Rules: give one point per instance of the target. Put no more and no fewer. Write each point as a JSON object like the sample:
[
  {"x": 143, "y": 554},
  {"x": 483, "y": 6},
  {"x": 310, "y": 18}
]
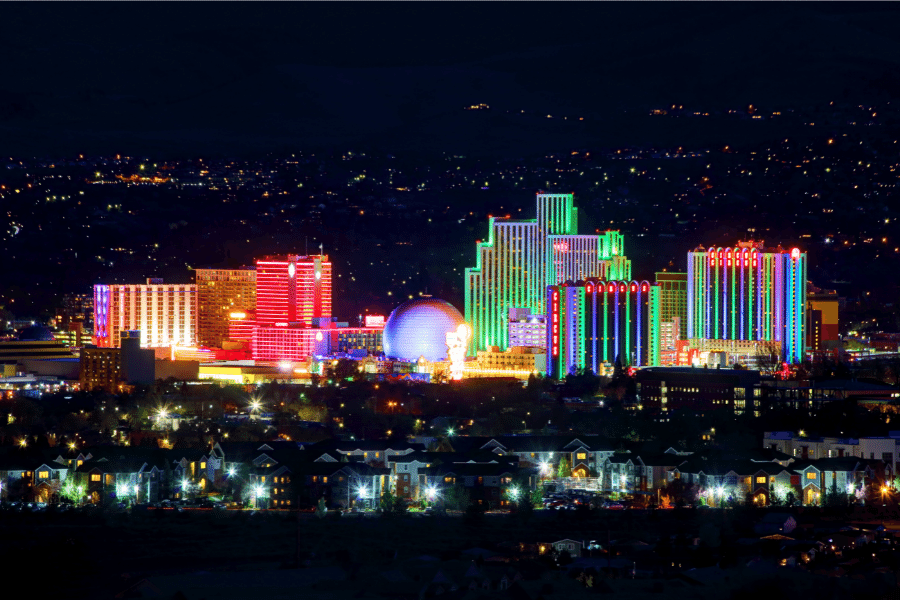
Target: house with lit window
[
  {"x": 585, "y": 455},
  {"x": 651, "y": 471},
  {"x": 49, "y": 477},
  {"x": 17, "y": 475},
  {"x": 373, "y": 452},
  {"x": 486, "y": 483},
  {"x": 192, "y": 471},
  {"x": 120, "y": 478},
  {"x": 232, "y": 458},
  {"x": 739, "y": 480},
  {"x": 295, "y": 481},
  {"x": 618, "y": 474},
  {"x": 405, "y": 471}
]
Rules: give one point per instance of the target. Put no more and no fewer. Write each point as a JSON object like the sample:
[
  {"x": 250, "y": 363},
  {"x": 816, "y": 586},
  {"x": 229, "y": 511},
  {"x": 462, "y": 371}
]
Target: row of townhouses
[{"x": 282, "y": 474}]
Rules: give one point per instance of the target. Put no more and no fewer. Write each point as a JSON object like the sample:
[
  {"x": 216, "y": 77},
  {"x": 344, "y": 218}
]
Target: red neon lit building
[
  {"x": 240, "y": 326},
  {"x": 293, "y": 344},
  {"x": 293, "y": 289}
]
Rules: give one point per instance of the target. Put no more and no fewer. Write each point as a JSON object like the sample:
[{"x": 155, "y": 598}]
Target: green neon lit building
[
  {"x": 595, "y": 322},
  {"x": 522, "y": 257}
]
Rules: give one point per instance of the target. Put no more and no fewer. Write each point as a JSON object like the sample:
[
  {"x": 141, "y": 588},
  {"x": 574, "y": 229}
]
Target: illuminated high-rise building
[
  {"x": 673, "y": 299},
  {"x": 522, "y": 257},
  {"x": 749, "y": 293},
  {"x": 165, "y": 314},
  {"x": 221, "y": 292},
  {"x": 595, "y": 322},
  {"x": 823, "y": 323},
  {"x": 292, "y": 289}
]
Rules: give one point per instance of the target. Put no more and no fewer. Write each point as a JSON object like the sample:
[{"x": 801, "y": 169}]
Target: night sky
[
  {"x": 246, "y": 82},
  {"x": 178, "y": 79}
]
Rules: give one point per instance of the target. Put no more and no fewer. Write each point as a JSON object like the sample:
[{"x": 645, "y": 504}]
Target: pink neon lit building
[{"x": 292, "y": 289}]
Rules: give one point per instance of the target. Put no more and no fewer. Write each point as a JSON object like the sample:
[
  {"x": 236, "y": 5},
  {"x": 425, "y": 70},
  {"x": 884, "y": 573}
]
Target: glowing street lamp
[
  {"x": 431, "y": 493},
  {"x": 23, "y": 442},
  {"x": 258, "y": 492},
  {"x": 231, "y": 471},
  {"x": 362, "y": 493},
  {"x": 449, "y": 431}
]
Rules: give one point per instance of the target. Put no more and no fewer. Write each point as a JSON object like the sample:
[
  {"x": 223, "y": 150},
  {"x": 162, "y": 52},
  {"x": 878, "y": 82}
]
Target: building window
[
  {"x": 325, "y": 479},
  {"x": 43, "y": 474},
  {"x": 761, "y": 479},
  {"x": 95, "y": 476},
  {"x": 582, "y": 456},
  {"x": 810, "y": 475},
  {"x": 203, "y": 465}
]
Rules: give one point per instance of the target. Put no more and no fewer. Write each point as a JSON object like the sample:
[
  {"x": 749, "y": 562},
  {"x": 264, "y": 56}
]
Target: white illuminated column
[{"x": 457, "y": 347}]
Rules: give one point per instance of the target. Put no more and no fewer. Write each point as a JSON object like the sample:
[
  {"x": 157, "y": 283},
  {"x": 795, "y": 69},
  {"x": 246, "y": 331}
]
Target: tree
[
  {"x": 564, "y": 469},
  {"x": 71, "y": 491},
  {"x": 835, "y": 497},
  {"x": 457, "y": 497}
]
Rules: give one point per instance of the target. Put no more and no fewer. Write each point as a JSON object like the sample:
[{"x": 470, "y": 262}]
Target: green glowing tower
[{"x": 522, "y": 257}]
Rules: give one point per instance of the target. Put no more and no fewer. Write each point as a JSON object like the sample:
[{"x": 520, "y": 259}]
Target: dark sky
[{"x": 181, "y": 78}]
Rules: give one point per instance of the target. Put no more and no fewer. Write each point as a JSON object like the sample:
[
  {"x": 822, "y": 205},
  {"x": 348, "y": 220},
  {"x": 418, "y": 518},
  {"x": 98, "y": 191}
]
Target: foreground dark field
[{"x": 95, "y": 555}]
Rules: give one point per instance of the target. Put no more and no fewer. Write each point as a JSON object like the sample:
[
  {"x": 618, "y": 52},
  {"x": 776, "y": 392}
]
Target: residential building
[{"x": 666, "y": 389}]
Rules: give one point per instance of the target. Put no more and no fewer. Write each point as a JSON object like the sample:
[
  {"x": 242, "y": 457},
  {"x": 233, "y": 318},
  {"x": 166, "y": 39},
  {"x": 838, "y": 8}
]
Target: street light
[
  {"x": 545, "y": 469},
  {"x": 363, "y": 493},
  {"x": 431, "y": 493},
  {"x": 514, "y": 494},
  {"x": 258, "y": 492}
]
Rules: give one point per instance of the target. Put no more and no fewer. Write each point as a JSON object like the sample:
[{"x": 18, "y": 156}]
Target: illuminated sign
[
  {"x": 238, "y": 315},
  {"x": 555, "y": 314},
  {"x": 374, "y": 320}
]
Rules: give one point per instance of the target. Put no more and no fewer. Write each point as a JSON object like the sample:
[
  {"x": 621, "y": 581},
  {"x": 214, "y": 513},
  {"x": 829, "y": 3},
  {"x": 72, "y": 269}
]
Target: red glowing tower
[{"x": 293, "y": 289}]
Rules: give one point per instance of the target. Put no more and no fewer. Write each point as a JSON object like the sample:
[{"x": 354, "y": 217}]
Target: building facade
[
  {"x": 221, "y": 292},
  {"x": 293, "y": 289},
  {"x": 673, "y": 299},
  {"x": 596, "y": 322},
  {"x": 749, "y": 293},
  {"x": 293, "y": 344},
  {"x": 165, "y": 314},
  {"x": 522, "y": 257},
  {"x": 823, "y": 322},
  {"x": 526, "y": 329}
]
